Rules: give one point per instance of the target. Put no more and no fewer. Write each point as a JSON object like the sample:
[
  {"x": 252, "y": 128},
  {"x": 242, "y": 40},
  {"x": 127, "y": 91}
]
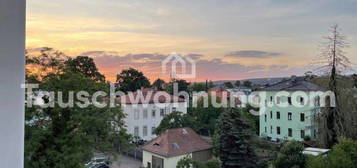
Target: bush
[
  {"x": 290, "y": 156},
  {"x": 316, "y": 162},
  {"x": 343, "y": 155}
]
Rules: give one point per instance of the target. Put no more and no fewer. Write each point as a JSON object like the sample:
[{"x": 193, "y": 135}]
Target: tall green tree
[
  {"x": 175, "y": 120},
  {"x": 86, "y": 66},
  {"x": 234, "y": 136},
  {"x": 181, "y": 83},
  {"x": 206, "y": 116},
  {"x": 158, "y": 84},
  {"x": 131, "y": 80},
  {"x": 66, "y": 136}
]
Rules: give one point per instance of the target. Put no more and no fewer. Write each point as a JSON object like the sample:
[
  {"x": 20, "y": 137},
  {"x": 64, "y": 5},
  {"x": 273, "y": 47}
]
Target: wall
[
  {"x": 12, "y": 45},
  {"x": 150, "y": 121},
  {"x": 284, "y": 123},
  {"x": 168, "y": 162}
]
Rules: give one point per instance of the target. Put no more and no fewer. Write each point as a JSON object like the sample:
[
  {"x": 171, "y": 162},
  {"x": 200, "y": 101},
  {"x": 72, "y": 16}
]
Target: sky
[{"x": 228, "y": 39}]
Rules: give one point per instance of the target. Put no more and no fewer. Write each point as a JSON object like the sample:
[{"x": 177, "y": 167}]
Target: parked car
[{"x": 98, "y": 162}]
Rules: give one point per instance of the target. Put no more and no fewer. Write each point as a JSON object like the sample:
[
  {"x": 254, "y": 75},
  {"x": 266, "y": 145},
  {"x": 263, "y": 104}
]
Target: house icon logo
[{"x": 186, "y": 64}]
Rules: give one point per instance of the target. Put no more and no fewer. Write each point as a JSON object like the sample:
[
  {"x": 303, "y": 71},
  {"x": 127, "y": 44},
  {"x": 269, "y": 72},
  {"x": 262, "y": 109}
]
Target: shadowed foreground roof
[{"x": 177, "y": 141}]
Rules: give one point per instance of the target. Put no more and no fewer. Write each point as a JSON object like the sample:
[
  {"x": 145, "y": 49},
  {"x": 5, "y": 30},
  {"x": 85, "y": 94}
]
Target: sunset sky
[{"x": 228, "y": 39}]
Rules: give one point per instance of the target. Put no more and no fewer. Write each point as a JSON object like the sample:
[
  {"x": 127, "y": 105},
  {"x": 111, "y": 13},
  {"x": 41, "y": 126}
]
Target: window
[
  {"x": 265, "y": 117},
  {"x": 152, "y": 130},
  {"x": 265, "y": 129},
  {"x": 278, "y": 100},
  {"x": 145, "y": 131},
  {"x": 173, "y": 109},
  {"x": 271, "y": 114},
  {"x": 136, "y": 131},
  {"x": 145, "y": 113},
  {"x": 278, "y": 130},
  {"x": 277, "y": 115},
  {"x": 289, "y": 100},
  {"x": 317, "y": 101},
  {"x": 302, "y": 133},
  {"x": 302, "y": 117},
  {"x": 301, "y": 100},
  {"x": 271, "y": 99},
  {"x": 153, "y": 113},
  {"x": 290, "y": 132},
  {"x": 271, "y": 129},
  {"x": 162, "y": 112},
  {"x": 289, "y": 116},
  {"x": 136, "y": 114}
]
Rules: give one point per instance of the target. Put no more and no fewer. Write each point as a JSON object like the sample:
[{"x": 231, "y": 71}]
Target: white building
[{"x": 146, "y": 108}]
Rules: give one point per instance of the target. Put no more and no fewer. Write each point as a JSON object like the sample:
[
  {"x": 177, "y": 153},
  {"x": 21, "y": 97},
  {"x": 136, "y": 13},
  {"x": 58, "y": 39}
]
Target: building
[
  {"x": 290, "y": 122},
  {"x": 174, "y": 144},
  {"x": 226, "y": 95},
  {"x": 146, "y": 108}
]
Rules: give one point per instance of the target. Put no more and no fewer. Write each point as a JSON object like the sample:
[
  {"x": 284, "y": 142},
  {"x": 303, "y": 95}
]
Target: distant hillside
[{"x": 255, "y": 81}]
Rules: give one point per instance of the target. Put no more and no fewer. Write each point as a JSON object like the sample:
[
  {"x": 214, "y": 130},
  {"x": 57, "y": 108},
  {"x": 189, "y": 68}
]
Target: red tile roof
[
  {"x": 148, "y": 95},
  {"x": 177, "y": 141}
]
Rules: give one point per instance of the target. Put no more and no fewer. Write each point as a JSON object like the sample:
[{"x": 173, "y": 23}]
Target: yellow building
[{"x": 167, "y": 149}]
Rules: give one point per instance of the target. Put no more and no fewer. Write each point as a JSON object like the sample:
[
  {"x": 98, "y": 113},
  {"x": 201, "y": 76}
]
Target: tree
[
  {"x": 234, "y": 136},
  {"x": 342, "y": 155},
  {"x": 182, "y": 85},
  {"x": 131, "y": 80},
  {"x": 159, "y": 84},
  {"x": 175, "y": 120},
  {"x": 197, "y": 87},
  {"x": 46, "y": 62},
  {"x": 290, "y": 155},
  {"x": 206, "y": 116},
  {"x": 188, "y": 162},
  {"x": 57, "y": 137},
  {"x": 228, "y": 84},
  {"x": 333, "y": 61},
  {"x": 354, "y": 76},
  {"x": 237, "y": 83},
  {"x": 247, "y": 83},
  {"x": 67, "y": 137},
  {"x": 86, "y": 66}
]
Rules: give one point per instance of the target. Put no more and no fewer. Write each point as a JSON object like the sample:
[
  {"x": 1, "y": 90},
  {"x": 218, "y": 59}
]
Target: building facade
[
  {"x": 290, "y": 117},
  {"x": 166, "y": 150},
  {"x": 143, "y": 116}
]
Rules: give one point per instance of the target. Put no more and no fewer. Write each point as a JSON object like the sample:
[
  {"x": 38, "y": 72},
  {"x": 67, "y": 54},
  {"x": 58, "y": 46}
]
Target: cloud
[
  {"x": 213, "y": 69},
  {"x": 252, "y": 54}
]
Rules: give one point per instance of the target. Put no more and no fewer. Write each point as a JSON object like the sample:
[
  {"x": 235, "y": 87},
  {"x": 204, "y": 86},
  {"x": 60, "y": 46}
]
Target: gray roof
[{"x": 294, "y": 84}]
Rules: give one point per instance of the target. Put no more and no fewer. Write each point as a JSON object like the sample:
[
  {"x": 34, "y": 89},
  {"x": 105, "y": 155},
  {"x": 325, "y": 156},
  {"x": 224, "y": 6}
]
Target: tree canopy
[
  {"x": 175, "y": 120},
  {"x": 290, "y": 155},
  {"x": 60, "y": 137},
  {"x": 158, "y": 84},
  {"x": 228, "y": 84},
  {"x": 233, "y": 141},
  {"x": 131, "y": 80},
  {"x": 86, "y": 66}
]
